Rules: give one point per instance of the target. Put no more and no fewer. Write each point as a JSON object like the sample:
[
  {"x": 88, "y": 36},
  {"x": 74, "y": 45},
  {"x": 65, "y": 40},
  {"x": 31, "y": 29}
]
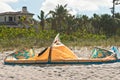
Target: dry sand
[{"x": 59, "y": 72}]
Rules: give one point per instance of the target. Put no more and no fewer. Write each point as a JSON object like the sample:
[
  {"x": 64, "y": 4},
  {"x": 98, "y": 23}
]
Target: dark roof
[{"x": 16, "y": 13}]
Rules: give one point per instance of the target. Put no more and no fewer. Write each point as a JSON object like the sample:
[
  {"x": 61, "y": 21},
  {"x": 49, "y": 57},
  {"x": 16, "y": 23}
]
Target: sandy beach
[{"x": 109, "y": 71}]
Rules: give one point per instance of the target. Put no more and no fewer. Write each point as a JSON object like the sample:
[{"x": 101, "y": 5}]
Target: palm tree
[
  {"x": 59, "y": 17},
  {"x": 42, "y": 19},
  {"x": 108, "y": 24},
  {"x": 95, "y": 21},
  {"x": 71, "y": 24},
  {"x": 52, "y": 20}
]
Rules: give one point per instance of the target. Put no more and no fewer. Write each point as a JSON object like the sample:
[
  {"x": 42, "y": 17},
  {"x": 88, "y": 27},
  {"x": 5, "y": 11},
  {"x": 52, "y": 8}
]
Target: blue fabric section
[
  {"x": 116, "y": 51},
  {"x": 100, "y": 53},
  {"x": 23, "y": 54}
]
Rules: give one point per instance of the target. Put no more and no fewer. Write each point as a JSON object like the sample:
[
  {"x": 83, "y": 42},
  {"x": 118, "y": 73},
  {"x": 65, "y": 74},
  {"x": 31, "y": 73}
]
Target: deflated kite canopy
[{"x": 57, "y": 52}]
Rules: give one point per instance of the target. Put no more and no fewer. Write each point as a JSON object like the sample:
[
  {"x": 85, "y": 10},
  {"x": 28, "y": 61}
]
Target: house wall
[
  {"x": 15, "y": 18},
  {"x": 1, "y": 18},
  {"x": 6, "y": 18}
]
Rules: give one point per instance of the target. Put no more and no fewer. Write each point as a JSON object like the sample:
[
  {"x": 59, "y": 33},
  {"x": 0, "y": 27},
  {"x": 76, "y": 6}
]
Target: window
[
  {"x": 5, "y": 18},
  {"x": 10, "y": 19},
  {"x": 19, "y": 17},
  {"x": 14, "y": 19}
]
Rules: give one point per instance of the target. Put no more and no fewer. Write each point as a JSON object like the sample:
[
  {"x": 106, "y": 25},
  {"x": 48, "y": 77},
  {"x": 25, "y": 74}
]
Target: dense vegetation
[{"x": 75, "y": 30}]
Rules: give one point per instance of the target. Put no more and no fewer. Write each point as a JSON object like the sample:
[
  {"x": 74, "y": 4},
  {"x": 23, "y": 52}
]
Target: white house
[{"x": 13, "y": 18}]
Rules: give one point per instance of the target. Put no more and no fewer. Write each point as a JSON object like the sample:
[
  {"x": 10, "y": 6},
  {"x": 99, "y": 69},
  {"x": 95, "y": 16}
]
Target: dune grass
[
  {"x": 28, "y": 43},
  {"x": 12, "y": 38}
]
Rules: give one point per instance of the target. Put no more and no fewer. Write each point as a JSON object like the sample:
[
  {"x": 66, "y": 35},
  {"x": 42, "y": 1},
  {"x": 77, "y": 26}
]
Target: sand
[{"x": 109, "y": 71}]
